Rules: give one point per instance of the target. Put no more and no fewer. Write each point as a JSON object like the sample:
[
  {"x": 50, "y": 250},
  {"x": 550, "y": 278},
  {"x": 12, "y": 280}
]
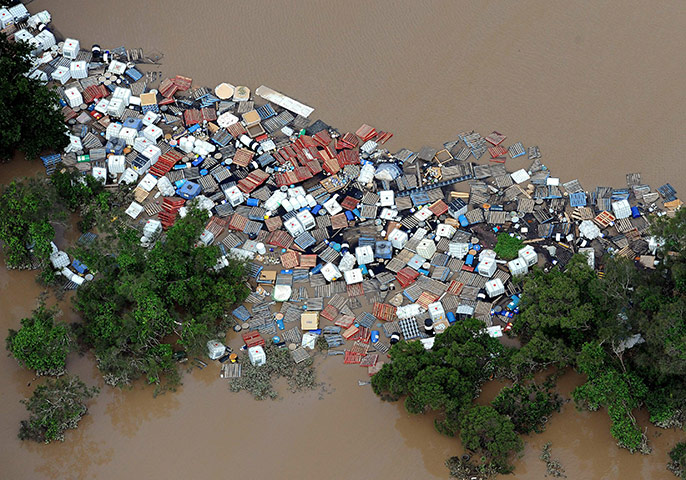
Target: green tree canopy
[
  {"x": 485, "y": 431},
  {"x": 141, "y": 296},
  {"x": 55, "y": 407},
  {"x": 30, "y": 115},
  {"x": 41, "y": 344}
]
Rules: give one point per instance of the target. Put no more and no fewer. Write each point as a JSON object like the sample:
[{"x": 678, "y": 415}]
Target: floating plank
[{"x": 283, "y": 101}]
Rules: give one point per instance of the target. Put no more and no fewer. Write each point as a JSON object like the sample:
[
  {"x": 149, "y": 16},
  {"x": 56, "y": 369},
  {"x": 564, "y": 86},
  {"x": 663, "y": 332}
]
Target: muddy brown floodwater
[{"x": 597, "y": 85}]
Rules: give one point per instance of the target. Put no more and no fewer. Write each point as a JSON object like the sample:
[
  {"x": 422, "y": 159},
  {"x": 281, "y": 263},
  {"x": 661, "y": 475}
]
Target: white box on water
[
  {"x": 116, "y": 108},
  {"x": 518, "y": 267},
  {"x": 458, "y": 249},
  {"x": 294, "y": 227},
  {"x": 100, "y": 173},
  {"x": 398, "y": 238},
  {"x": 621, "y": 209},
  {"x": 6, "y": 18},
  {"x": 364, "y": 255},
  {"x": 123, "y": 93},
  {"x": 495, "y": 287},
  {"x": 71, "y": 48},
  {"x": 116, "y": 164},
  {"x": 487, "y": 267},
  {"x": 152, "y": 133},
  {"x": 529, "y": 255},
  {"x": 150, "y": 118},
  {"x": 73, "y": 97},
  {"x": 215, "y": 349},
  {"x": 234, "y": 195},
  {"x": 61, "y": 74},
  {"x": 331, "y": 272},
  {"x": 257, "y": 356},
  {"x": 152, "y": 153},
  {"x": 127, "y": 134},
  {"x": 113, "y": 130},
  {"x": 353, "y": 276},
  {"x": 102, "y": 106},
  {"x": 306, "y": 219},
  {"x": 78, "y": 69},
  {"x": 46, "y": 40},
  {"x": 426, "y": 248},
  {"x": 436, "y": 311}
]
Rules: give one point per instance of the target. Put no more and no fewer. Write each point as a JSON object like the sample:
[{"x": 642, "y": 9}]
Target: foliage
[
  {"x": 485, "y": 431},
  {"x": 25, "y": 230},
  {"x": 553, "y": 467},
  {"x": 54, "y": 407},
  {"x": 507, "y": 246},
  {"x": 141, "y": 296},
  {"x": 528, "y": 406},
  {"x": 447, "y": 377},
  {"x": 619, "y": 392},
  {"x": 30, "y": 116},
  {"x": 677, "y": 456},
  {"x": 259, "y": 380},
  {"x": 41, "y": 344}
]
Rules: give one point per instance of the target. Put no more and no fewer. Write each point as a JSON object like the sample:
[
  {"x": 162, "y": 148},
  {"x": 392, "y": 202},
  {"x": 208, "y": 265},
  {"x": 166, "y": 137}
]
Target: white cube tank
[
  {"x": 495, "y": 287},
  {"x": 152, "y": 133},
  {"x": 294, "y": 227},
  {"x": 113, "y": 130},
  {"x": 398, "y": 238},
  {"x": 426, "y": 248},
  {"x": 518, "y": 267},
  {"x": 487, "y": 267},
  {"x": 71, "y": 48},
  {"x": 116, "y": 108},
  {"x": 234, "y": 195},
  {"x": 458, "y": 249},
  {"x": 150, "y": 118},
  {"x": 152, "y": 153},
  {"x": 257, "y": 356},
  {"x": 116, "y": 164},
  {"x": 61, "y": 74},
  {"x": 6, "y": 18},
  {"x": 364, "y": 255},
  {"x": 100, "y": 173},
  {"x": 78, "y": 69},
  {"x": 331, "y": 272},
  {"x": 129, "y": 135},
  {"x": 436, "y": 311},
  {"x": 529, "y": 255},
  {"x": 45, "y": 40},
  {"x": 353, "y": 276},
  {"x": 74, "y": 97},
  {"x": 306, "y": 219}
]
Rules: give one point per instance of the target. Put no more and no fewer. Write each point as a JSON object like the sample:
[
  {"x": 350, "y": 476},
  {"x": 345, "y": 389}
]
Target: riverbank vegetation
[
  {"x": 624, "y": 331},
  {"x": 55, "y": 407},
  {"x": 31, "y": 118}
]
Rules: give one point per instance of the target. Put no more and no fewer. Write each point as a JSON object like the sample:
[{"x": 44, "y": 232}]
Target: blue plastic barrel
[{"x": 252, "y": 202}]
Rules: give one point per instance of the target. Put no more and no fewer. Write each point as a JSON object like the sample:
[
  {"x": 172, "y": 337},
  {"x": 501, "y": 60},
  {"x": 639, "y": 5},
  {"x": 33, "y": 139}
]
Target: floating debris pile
[{"x": 346, "y": 241}]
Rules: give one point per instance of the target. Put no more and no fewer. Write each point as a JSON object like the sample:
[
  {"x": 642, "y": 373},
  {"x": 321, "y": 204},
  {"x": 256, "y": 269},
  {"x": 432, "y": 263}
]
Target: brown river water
[{"x": 598, "y": 86}]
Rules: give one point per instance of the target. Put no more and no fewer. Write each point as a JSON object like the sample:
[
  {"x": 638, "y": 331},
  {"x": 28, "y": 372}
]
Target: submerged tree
[
  {"x": 26, "y": 208},
  {"x": 140, "y": 296},
  {"x": 41, "y": 344},
  {"x": 31, "y": 119},
  {"x": 55, "y": 407}
]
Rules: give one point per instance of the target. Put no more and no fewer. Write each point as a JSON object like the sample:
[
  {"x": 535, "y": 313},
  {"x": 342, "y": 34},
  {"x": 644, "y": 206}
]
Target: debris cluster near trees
[{"x": 346, "y": 240}]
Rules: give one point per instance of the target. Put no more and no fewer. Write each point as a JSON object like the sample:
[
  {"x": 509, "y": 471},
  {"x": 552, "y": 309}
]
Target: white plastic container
[
  {"x": 71, "y": 48},
  {"x": 458, "y": 249},
  {"x": 45, "y": 40},
  {"x": 518, "y": 267},
  {"x": 116, "y": 164},
  {"x": 128, "y": 134},
  {"x": 116, "y": 108},
  {"x": 61, "y": 74},
  {"x": 353, "y": 276},
  {"x": 215, "y": 349},
  {"x": 74, "y": 97},
  {"x": 495, "y": 287},
  {"x": 6, "y": 18},
  {"x": 257, "y": 355},
  {"x": 294, "y": 227},
  {"x": 78, "y": 69},
  {"x": 306, "y": 219},
  {"x": 386, "y": 198},
  {"x": 529, "y": 255},
  {"x": 364, "y": 255},
  {"x": 153, "y": 133},
  {"x": 398, "y": 238},
  {"x": 331, "y": 272},
  {"x": 487, "y": 267},
  {"x": 150, "y": 118},
  {"x": 436, "y": 311},
  {"x": 426, "y": 248},
  {"x": 152, "y": 153},
  {"x": 234, "y": 195}
]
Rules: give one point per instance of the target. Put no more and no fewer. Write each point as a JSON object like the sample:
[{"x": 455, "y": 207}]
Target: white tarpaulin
[{"x": 283, "y": 101}]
